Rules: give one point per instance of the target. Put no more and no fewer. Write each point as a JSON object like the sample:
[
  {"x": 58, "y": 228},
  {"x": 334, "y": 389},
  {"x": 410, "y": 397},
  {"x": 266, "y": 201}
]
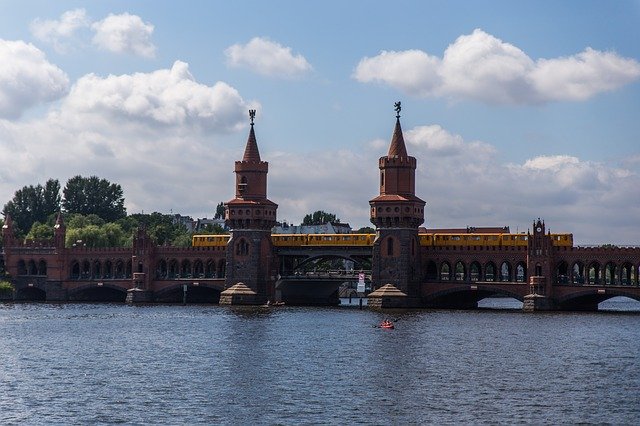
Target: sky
[{"x": 514, "y": 110}]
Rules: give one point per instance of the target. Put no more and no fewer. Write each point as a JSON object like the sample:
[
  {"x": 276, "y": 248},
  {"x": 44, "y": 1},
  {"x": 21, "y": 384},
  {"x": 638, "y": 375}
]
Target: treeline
[{"x": 94, "y": 215}]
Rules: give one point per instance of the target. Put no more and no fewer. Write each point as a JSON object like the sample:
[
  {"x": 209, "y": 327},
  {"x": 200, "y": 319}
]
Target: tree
[
  {"x": 319, "y": 218},
  {"x": 40, "y": 231},
  {"x": 219, "y": 211},
  {"x": 33, "y": 204},
  {"x": 366, "y": 230},
  {"x": 93, "y": 195}
]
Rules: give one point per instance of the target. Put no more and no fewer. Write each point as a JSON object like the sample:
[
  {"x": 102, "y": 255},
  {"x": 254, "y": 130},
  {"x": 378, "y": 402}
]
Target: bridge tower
[
  {"x": 250, "y": 216},
  {"x": 396, "y": 213},
  {"x": 539, "y": 268}
]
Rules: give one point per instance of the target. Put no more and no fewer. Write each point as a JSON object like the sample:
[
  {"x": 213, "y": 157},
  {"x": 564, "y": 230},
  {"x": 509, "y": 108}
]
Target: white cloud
[
  {"x": 27, "y": 78},
  {"x": 162, "y": 135},
  {"x": 482, "y": 67},
  {"x": 166, "y": 98},
  {"x": 59, "y": 32},
  {"x": 124, "y": 33},
  {"x": 411, "y": 71},
  {"x": 268, "y": 58}
]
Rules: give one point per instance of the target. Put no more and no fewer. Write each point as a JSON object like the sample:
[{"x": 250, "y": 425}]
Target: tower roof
[
  {"x": 251, "y": 153},
  {"x": 397, "y": 147},
  {"x": 59, "y": 221}
]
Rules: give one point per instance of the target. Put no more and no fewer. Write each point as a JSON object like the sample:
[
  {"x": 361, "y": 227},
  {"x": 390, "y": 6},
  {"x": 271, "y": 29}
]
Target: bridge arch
[
  {"x": 610, "y": 275},
  {"x": 202, "y": 293},
  {"x": 30, "y": 294},
  {"x": 94, "y": 292},
  {"x": 589, "y": 298}
]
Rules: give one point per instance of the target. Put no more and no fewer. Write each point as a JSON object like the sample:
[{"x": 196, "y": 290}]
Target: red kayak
[{"x": 387, "y": 324}]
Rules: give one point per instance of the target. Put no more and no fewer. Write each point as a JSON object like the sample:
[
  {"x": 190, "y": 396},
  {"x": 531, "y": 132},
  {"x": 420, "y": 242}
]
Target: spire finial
[
  {"x": 398, "y": 108},
  {"x": 252, "y": 115}
]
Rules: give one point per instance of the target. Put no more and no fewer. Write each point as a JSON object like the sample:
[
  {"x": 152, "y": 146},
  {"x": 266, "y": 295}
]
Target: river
[{"x": 199, "y": 364}]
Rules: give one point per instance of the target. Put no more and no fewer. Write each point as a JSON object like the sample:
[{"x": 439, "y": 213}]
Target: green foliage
[
  {"x": 182, "y": 240},
  {"x": 161, "y": 228},
  {"x": 77, "y": 220},
  {"x": 92, "y": 231},
  {"x": 365, "y": 230},
  {"x": 93, "y": 195},
  {"x": 6, "y": 287},
  {"x": 319, "y": 218},
  {"x": 40, "y": 231},
  {"x": 219, "y": 211},
  {"x": 33, "y": 204},
  {"x": 212, "y": 229}
]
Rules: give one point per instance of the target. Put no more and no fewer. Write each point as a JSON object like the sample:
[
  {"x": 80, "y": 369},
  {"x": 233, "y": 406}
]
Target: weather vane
[
  {"x": 398, "y": 108},
  {"x": 252, "y": 115}
]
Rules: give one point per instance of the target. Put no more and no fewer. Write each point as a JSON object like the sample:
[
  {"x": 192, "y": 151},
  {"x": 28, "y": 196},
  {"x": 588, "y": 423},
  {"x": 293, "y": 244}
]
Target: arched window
[
  {"x": 161, "y": 270},
  {"x": 444, "y": 271},
  {"x": 389, "y": 246},
  {"x": 242, "y": 185},
  {"x": 460, "y": 271},
  {"x": 31, "y": 268},
  {"x": 577, "y": 273},
  {"x": 490, "y": 272},
  {"x": 505, "y": 271},
  {"x": 85, "y": 272},
  {"x": 521, "y": 272},
  {"x": 210, "y": 269},
  {"x": 198, "y": 269},
  {"x": 108, "y": 269},
  {"x": 474, "y": 271},
  {"x": 222, "y": 264},
  {"x": 185, "y": 270},
  {"x": 242, "y": 248}
]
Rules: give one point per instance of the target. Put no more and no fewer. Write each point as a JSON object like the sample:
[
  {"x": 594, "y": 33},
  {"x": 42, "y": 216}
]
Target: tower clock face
[{"x": 538, "y": 229}]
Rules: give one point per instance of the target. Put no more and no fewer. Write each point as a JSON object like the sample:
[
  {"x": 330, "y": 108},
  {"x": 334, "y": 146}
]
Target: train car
[
  {"x": 470, "y": 240},
  {"x": 210, "y": 240},
  {"x": 562, "y": 240},
  {"x": 289, "y": 240},
  {"x": 345, "y": 240},
  {"x": 514, "y": 240},
  {"x": 426, "y": 240}
]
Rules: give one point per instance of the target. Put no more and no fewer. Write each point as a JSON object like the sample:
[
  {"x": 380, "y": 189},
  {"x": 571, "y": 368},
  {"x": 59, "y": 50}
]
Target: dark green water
[{"x": 102, "y": 364}]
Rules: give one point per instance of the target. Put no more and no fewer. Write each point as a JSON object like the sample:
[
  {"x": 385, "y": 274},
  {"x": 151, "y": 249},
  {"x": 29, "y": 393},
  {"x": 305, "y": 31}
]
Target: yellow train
[{"x": 427, "y": 240}]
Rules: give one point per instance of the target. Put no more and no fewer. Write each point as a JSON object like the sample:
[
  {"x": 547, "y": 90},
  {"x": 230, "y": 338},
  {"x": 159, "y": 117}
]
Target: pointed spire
[
  {"x": 59, "y": 221},
  {"x": 397, "y": 147},
  {"x": 8, "y": 223},
  {"x": 251, "y": 153}
]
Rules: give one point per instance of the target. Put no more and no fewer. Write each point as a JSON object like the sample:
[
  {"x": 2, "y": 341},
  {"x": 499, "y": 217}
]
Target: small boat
[{"x": 387, "y": 324}]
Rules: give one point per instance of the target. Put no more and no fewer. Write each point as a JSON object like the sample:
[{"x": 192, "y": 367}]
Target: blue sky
[{"x": 514, "y": 110}]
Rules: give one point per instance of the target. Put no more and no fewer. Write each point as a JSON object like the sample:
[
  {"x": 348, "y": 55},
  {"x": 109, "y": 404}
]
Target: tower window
[
  {"x": 242, "y": 185},
  {"x": 382, "y": 178},
  {"x": 390, "y": 246}
]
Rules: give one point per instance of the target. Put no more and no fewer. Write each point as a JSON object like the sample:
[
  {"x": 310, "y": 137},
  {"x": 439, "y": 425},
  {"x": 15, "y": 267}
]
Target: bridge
[{"x": 407, "y": 265}]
